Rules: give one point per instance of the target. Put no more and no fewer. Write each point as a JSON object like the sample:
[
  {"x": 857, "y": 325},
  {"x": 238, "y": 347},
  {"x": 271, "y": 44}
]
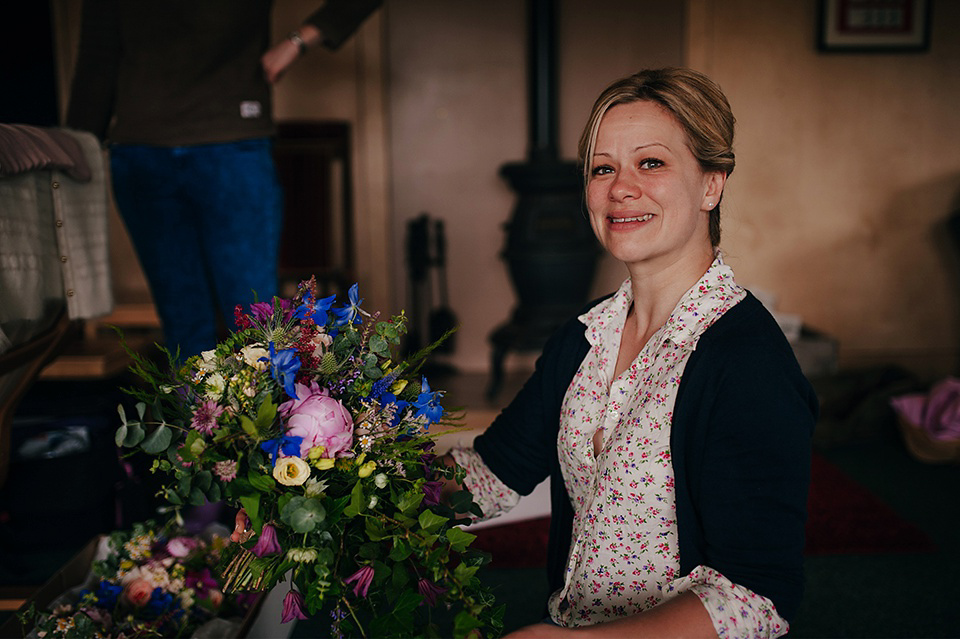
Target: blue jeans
[{"x": 205, "y": 221}]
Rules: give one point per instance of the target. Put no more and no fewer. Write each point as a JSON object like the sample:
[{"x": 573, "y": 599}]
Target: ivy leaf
[
  {"x": 431, "y": 521},
  {"x": 373, "y": 528},
  {"x": 159, "y": 440},
  {"x": 400, "y": 551},
  {"x": 410, "y": 501},
  {"x": 461, "y": 501},
  {"x": 459, "y": 540},
  {"x": 463, "y": 623}
]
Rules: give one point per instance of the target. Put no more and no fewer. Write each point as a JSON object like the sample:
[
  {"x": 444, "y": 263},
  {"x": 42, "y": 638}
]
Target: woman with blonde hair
[{"x": 671, "y": 416}]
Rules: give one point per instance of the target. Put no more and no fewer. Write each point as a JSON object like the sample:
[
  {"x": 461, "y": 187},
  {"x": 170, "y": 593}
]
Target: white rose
[{"x": 291, "y": 471}]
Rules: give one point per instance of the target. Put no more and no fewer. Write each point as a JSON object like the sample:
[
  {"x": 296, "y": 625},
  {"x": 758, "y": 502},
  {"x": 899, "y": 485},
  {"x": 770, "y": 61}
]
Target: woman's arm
[{"x": 682, "y": 616}]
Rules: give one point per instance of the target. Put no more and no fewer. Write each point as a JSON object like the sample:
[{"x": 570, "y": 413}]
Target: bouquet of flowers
[
  {"x": 148, "y": 582},
  {"x": 303, "y": 419}
]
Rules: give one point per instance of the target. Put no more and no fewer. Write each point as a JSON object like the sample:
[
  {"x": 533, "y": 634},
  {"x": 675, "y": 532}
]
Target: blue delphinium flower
[
  {"x": 428, "y": 403},
  {"x": 289, "y": 445},
  {"x": 315, "y": 309},
  {"x": 284, "y": 365},
  {"x": 351, "y": 312},
  {"x": 380, "y": 391},
  {"x": 107, "y": 594}
]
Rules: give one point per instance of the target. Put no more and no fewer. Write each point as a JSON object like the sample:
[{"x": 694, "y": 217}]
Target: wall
[
  {"x": 458, "y": 112},
  {"x": 848, "y": 165}
]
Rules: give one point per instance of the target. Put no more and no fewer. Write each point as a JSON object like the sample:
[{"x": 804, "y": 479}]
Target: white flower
[
  {"x": 373, "y": 501},
  {"x": 207, "y": 361},
  {"x": 215, "y": 386},
  {"x": 302, "y": 555},
  {"x": 314, "y": 487},
  {"x": 380, "y": 480},
  {"x": 291, "y": 471},
  {"x": 252, "y": 355}
]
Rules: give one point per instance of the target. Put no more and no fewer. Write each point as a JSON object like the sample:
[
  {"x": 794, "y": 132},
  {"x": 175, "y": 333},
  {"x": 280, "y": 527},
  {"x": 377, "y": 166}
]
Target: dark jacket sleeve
[
  {"x": 520, "y": 447},
  {"x": 94, "y": 87},
  {"x": 745, "y": 418},
  {"x": 338, "y": 19}
]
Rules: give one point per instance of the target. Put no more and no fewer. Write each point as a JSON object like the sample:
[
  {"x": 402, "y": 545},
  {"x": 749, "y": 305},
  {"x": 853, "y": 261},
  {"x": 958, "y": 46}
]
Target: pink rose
[
  {"x": 181, "y": 546},
  {"x": 319, "y": 419},
  {"x": 138, "y": 592}
]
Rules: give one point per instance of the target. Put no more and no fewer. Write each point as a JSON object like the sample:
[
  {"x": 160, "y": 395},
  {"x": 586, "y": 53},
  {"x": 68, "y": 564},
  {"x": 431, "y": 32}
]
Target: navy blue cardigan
[{"x": 740, "y": 441}]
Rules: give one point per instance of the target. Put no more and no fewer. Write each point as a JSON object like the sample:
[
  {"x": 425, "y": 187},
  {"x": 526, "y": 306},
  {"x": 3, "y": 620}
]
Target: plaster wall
[
  {"x": 458, "y": 111},
  {"x": 848, "y": 166}
]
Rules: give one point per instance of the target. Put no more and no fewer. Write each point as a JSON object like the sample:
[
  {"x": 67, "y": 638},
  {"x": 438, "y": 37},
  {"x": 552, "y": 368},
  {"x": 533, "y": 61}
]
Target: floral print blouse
[{"x": 624, "y": 557}]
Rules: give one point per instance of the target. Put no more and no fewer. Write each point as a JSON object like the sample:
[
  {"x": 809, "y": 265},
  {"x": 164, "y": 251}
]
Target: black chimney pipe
[{"x": 550, "y": 249}]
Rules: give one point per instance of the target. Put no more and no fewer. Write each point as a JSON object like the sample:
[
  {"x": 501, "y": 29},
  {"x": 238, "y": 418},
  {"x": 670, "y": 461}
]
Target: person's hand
[
  {"x": 540, "y": 631},
  {"x": 280, "y": 56},
  {"x": 278, "y": 59}
]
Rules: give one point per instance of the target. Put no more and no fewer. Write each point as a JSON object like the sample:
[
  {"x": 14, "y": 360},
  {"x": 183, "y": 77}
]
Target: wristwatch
[{"x": 294, "y": 37}]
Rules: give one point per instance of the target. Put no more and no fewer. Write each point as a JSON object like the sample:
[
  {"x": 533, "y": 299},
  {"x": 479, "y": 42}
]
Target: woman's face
[{"x": 649, "y": 201}]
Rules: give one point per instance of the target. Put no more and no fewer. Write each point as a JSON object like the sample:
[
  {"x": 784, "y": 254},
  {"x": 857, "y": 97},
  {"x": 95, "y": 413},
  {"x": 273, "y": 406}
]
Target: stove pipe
[{"x": 550, "y": 248}]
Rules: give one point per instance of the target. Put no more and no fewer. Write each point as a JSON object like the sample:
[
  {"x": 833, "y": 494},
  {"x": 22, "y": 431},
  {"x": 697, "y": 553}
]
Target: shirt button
[
  {"x": 59, "y": 224},
  {"x": 55, "y": 185},
  {"x": 69, "y": 292},
  {"x": 63, "y": 258}
]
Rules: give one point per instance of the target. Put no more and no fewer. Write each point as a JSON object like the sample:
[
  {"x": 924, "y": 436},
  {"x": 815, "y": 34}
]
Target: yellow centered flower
[{"x": 291, "y": 471}]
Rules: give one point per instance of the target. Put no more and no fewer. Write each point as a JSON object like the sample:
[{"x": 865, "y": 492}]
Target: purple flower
[
  {"x": 361, "y": 580},
  {"x": 430, "y": 591},
  {"x": 267, "y": 544},
  {"x": 201, "y": 581},
  {"x": 293, "y": 607},
  {"x": 261, "y": 311},
  {"x": 432, "y": 490},
  {"x": 205, "y": 417},
  {"x": 284, "y": 365},
  {"x": 226, "y": 470}
]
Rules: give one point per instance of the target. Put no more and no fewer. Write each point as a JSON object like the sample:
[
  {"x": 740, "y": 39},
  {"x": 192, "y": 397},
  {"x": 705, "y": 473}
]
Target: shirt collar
[{"x": 712, "y": 296}]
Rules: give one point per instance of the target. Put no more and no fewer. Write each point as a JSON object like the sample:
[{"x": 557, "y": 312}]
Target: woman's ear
[{"x": 715, "y": 180}]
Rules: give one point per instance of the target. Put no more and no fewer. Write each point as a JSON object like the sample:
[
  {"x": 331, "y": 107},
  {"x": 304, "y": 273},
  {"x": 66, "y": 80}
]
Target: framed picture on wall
[{"x": 874, "y": 25}]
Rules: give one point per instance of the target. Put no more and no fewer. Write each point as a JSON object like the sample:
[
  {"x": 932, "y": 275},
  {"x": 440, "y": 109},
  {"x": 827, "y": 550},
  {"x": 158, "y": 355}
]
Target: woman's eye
[
  {"x": 651, "y": 163},
  {"x": 601, "y": 170}
]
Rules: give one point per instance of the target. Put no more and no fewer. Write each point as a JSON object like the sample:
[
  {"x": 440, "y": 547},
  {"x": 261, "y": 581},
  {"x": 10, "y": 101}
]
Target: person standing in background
[{"x": 180, "y": 92}]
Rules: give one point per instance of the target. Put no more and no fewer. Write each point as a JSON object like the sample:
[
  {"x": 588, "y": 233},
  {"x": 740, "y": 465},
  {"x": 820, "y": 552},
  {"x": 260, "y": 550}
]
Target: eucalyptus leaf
[
  {"x": 197, "y": 498},
  {"x": 123, "y": 414},
  {"x": 134, "y": 435},
  {"x": 159, "y": 440},
  {"x": 121, "y": 433},
  {"x": 303, "y": 514},
  {"x": 141, "y": 410}
]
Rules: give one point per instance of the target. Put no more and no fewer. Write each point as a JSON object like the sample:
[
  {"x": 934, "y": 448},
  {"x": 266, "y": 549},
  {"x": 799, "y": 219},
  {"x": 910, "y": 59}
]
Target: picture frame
[{"x": 880, "y": 26}]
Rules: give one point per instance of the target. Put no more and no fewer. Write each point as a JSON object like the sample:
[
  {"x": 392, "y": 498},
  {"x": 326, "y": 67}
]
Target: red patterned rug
[{"x": 843, "y": 517}]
